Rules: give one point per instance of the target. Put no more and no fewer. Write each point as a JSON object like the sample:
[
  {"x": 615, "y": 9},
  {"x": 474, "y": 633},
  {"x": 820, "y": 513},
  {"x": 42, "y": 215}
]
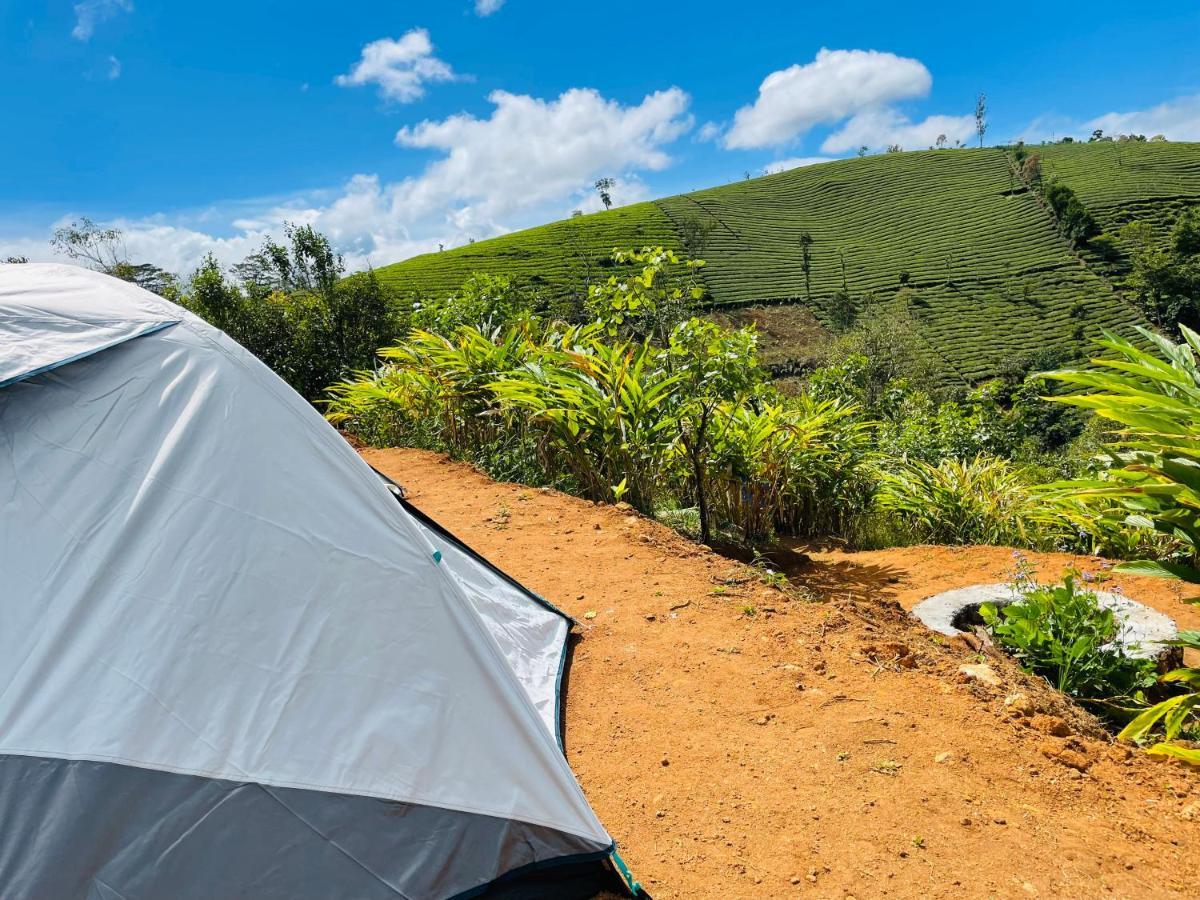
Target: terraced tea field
[
  {"x": 1123, "y": 182},
  {"x": 558, "y": 258},
  {"x": 950, "y": 234}
]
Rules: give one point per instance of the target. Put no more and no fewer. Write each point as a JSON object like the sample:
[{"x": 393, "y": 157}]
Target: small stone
[
  {"x": 1020, "y": 705},
  {"x": 595, "y": 526},
  {"x": 944, "y": 756},
  {"x": 965, "y": 820},
  {"x": 665, "y": 761},
  {"x": 1051, "y": 725},
  {"x": 981, "y": 672},
  {"x": 1000, "y": 821},
  {"x": 1191, "y": 812},
  {"x": 795, "y": 879},
  {"x": 590, "y": 614},
  {"x": 650, "y": 617},
  {"x": 659, "y": 813}
]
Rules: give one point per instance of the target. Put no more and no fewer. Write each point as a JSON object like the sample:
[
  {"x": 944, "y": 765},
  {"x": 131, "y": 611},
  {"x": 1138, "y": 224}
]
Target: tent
[{"x": 233, "y": 663}]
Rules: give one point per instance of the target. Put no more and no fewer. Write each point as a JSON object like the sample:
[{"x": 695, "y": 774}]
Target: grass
[{"x": 951, "y": 234}]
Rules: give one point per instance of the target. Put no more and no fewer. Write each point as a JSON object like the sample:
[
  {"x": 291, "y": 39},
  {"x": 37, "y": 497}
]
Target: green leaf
[
  {"x": 1159, "y": 570},
  {"x": 1189, "y": 756}
]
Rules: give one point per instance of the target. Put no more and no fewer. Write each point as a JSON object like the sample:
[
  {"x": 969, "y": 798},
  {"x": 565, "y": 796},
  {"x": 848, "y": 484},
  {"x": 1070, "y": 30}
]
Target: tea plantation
[{"x": 952, "y": 235}]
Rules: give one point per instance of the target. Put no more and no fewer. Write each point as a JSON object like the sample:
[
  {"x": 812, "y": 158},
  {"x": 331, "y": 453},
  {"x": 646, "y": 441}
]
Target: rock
[
  {"x": 944, "y": 756},
  {"x": 623, "y": 506},
  {"x": 666, "y": 761},
  {"x": 1020, "y": 704},
  {"x": 1051, "y": 725},
  {"x": 590, "y": 614},
  {"x": 1067, "y": 753},
  {"x": 1191, "y": 812},
  {"x": 980, "y": 672},
  {"x": 650, "y": 617}
]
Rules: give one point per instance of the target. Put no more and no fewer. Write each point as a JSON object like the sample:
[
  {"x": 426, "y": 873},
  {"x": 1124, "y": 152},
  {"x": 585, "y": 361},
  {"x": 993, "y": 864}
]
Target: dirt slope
[{"x": 739, "y": 743}]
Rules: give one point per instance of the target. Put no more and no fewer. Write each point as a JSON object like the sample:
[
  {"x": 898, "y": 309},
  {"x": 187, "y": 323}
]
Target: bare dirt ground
[{"x": 739, "y": 741}]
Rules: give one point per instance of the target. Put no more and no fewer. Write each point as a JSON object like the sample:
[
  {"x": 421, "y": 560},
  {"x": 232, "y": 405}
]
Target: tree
[
  {"x": 981, "y": 116},
  {"x": 694, "y": 233},
  {"x": 104, "y": 250},
  {"x": 603, "y": 187},
  {"x": 1031, "y": 170},
  {"x": 648, "y": 303},
  {"x": 842, "y": 312},
  {"x": 806, "y": 242},
  {"x": 713, "y": 366},
  {"x": 84, "y": 240},
  {"x": 862, "y": 151},
  {"x": 941, "y": 141},
  {"x": 16, "y": 259}
]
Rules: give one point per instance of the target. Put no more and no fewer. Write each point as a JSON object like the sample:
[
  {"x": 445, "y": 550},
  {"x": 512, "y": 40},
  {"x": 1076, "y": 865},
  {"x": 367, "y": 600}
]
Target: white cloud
[
  {"x": 709, "y": 131},
  {"x": 531, "y": 152},
  {"x": 114, "y": 68},
  {"x": 487, "y": 7},
  {"x": 531, "y": 161},
  {"x": 401, "y": 67},
  {"x": 795, "y": 162},
  {"x": 1178, "y": 120},
  {"x": 90, "y": 13},
  {"x": 879, "y": 128},
  {"x": 837, "y": 84}
]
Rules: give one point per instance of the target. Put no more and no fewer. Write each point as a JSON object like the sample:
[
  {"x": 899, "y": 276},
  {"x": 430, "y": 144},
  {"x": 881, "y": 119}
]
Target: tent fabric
[
  {"x": 36, "y": 336},
  {"x": 210, "y": 601}
]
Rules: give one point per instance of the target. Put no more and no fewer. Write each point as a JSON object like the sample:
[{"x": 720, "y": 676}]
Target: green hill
[{"x": 951, "y": 234}]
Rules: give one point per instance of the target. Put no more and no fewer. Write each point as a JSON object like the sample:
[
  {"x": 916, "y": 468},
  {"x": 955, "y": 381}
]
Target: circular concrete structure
[{"x": 1142, "y": 635}]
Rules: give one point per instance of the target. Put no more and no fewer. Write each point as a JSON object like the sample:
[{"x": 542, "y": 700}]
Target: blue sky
[{"x": 398, "y": 126}]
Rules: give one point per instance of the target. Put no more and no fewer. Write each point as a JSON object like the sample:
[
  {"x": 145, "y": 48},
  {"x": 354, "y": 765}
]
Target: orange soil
[{"x": 741, "y": 742}]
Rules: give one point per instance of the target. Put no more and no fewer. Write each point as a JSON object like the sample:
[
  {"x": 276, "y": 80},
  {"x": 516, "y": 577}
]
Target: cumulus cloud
[
  {"x": 836, "y": 85},
  {"x": 795, "y": 162},
  {"x": 90, "y": 13},
  {"x": 401, "y": 68},
  {"x": 1178, "y": 120},
  {"x": 883, "y": 127},
  {"x": 487, "y": 7},
  {"x": 530, "y": 161},
  {"x": 530, "y": 152}
]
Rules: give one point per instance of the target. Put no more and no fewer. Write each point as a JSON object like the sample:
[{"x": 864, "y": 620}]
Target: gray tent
[{"x": 232, "y": 662}]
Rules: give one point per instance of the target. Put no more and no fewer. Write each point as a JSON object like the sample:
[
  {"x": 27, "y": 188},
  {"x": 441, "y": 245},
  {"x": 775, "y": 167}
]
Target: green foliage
[
  {"x": 1165, "y": 280},
  {"x": 602, "y": 411},
  {"x": 296, "y": 313},
  {"x": 1076, "y": 222},
  {"x": 799, "y": 464},
  {"x": 1152, "y": 478},
  {"x": 559, "y": 261},
  {"x": 985, "y": 500},
  {"x": 483, "y": 301},
  {"x": 780, "y": 240},
  {"x": 1179, "y": 714},
  {"x": 645, "y": 304},
  {"x": 688, "y": 420},
  {"x": 1063, "y": 634}
]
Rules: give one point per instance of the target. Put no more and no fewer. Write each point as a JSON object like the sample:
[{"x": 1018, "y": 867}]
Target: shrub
[
  {"x": 986, "y": 500},
  {"x": 1065, "y": 635},
  {"x": 1152, "y": 479},
  {"x": 1179, "y": 715}
]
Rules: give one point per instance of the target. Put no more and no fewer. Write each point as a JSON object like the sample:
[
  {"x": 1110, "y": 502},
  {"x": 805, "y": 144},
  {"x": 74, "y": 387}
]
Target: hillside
[
  {"x": 1124, "y": 182},
  {"x": 741, "y": 742},
  {"x": 951, "y": 234}
]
